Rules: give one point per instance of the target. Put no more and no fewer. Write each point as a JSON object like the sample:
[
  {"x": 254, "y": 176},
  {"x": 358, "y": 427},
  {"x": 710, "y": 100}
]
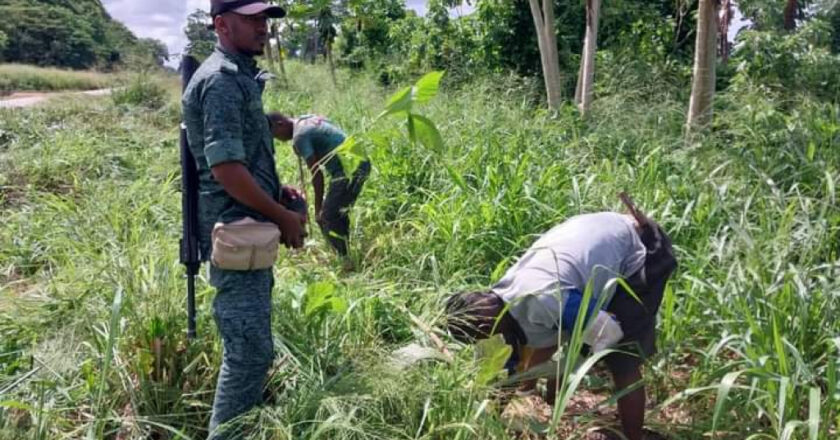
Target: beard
[{"x": 253, "y": 52}]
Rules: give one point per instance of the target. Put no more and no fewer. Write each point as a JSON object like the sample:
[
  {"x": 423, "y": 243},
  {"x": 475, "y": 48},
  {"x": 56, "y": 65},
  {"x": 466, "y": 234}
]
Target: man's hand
[
  {"x": 240, "y": 184},
  {"x": 291, "y": 226},
  {"x": 293, "y": 193}
]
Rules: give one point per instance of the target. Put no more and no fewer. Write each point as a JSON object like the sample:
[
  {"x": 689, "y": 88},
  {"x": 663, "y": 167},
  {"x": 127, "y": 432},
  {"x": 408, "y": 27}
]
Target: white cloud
[{"x": 160, "y": 19}]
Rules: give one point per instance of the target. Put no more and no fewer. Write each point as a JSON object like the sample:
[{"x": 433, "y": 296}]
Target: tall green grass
[
  {"x": 748, "y": 343},
  {"x": 21, "y": 77}
]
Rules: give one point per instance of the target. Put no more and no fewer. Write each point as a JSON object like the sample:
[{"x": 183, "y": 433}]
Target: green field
[
  {"x": 25, "y": 78},
  {"x": 92, "y": 321}
]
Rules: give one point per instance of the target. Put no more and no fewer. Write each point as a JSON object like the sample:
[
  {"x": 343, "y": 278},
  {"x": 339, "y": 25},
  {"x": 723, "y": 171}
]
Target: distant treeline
[{"x": 77, "y": 34}]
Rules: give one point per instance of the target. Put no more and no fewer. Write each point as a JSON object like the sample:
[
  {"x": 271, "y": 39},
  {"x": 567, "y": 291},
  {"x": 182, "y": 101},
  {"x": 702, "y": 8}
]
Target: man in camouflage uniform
[{"x": 231, "y": 140}]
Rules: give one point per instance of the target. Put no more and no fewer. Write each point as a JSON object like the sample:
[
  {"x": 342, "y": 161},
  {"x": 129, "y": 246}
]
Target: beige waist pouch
[{"x": 245, "y": 244}]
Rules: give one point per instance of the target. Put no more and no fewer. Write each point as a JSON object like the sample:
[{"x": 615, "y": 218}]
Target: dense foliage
[
  {"x": 654, "y": 38},
  {"x": 200, "y": 38},
  {"x": 77, "y": 34}
]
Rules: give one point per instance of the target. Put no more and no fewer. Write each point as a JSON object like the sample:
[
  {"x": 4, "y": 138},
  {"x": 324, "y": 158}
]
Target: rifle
[{"x": 189, "y": 205}]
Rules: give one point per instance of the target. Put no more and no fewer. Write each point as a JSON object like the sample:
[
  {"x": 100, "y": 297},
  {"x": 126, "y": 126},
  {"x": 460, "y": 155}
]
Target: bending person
[
  {"x": 315, "y": 139},
  {"x": 541, "y": 296}
]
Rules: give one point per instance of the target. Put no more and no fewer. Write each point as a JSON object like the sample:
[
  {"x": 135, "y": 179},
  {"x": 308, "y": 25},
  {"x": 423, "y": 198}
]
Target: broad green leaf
[
  {"x": 399, "y": 102},
  {"x": 352, "y": 146},
  {"x": 492, "y": 353},
  {"x": 318, "y": 296},
  {"x": 427, "y": 87},
  {"x": 351, "y": 153},
  {"x": 426, "y": 132},
  {"x": 338, "y": 305},
  {"x": 412, "y": 133}
]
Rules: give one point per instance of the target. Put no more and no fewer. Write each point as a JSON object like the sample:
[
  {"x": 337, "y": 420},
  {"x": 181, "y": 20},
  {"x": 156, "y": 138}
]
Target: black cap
[{"x": 246, "y": 7}]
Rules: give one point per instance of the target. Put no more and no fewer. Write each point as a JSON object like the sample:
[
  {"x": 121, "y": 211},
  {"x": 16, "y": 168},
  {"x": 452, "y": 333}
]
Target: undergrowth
[{"x": 92, "y": 321}]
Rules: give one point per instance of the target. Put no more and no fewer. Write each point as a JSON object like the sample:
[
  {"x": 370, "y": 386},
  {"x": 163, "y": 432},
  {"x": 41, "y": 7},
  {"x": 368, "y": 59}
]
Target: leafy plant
[{"x": 401, "y": 104}]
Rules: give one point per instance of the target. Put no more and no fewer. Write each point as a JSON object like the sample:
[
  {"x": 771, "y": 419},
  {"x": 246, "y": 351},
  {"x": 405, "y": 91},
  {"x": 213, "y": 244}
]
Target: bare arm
[
  {"x": 240, "y": 184},
  {"x": 531, "y": 357}
]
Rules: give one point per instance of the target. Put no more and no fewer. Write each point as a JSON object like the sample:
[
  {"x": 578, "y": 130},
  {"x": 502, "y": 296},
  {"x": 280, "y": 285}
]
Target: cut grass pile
[{"x": 92, "y": 318}]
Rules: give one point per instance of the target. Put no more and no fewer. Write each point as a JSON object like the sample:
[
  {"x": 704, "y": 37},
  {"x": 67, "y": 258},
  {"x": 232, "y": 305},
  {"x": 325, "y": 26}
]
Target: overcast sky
[{"x": 165, "y": 19}]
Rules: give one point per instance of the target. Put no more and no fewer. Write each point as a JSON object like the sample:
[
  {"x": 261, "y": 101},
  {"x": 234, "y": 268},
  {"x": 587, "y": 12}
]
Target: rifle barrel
[{"x": 189, "y": 206}]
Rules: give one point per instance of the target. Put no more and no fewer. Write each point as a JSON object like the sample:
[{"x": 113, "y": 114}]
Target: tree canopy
[
  {"x": 76, "y": 34},
  {"x": 788, "y": 43}
]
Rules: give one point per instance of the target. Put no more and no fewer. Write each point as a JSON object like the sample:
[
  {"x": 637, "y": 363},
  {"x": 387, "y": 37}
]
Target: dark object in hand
[{"x": 294, "y": 203}]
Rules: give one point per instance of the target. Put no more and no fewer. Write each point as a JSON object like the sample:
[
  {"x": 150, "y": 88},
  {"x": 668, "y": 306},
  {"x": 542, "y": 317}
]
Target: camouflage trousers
[
  {"x": 341, "y": 195},
  {"x": 242, "y": 310}
]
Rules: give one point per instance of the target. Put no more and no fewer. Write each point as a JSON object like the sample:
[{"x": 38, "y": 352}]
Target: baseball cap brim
[{"x": 272, "y": 11}]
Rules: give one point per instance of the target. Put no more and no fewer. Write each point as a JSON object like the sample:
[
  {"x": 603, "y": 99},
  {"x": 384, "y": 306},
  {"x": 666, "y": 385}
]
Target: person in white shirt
[{"x": 540, "y": 297}]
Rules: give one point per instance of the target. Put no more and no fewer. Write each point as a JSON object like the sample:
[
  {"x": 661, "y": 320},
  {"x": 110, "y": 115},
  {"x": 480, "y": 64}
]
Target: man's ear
[{"x": 221, "y": 25}]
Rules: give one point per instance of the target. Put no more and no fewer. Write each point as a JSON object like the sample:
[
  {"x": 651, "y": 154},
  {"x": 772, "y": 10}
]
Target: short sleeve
[
  {"x": 303, "y": 144},
  {"x": 222, "y": 103}
]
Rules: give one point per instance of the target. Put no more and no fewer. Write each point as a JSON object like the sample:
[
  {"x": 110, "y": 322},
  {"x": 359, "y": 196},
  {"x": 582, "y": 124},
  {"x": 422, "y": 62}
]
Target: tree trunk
[
  {"x": 703, "y": 84},
  {"x": 553, "y": 56},
  {"x": 276, "y": 37},
  {"x": 587, "y": 62},
  {"x": 791, "y": 11},
  {"x": 547, "y": 40},
  {"x": 269, "y": 50},
  {"x": 579, "y": 85},
  {"x": 726, "y": 14}
]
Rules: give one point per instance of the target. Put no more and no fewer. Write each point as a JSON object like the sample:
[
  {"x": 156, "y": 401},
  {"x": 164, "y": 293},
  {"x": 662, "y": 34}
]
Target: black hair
[{"x": 472, "y": 315}]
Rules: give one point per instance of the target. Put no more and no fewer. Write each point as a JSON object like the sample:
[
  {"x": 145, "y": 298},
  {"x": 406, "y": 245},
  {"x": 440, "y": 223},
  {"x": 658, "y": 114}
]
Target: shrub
[
  {"x": 141, "y": 90},
  {"x": 794, "y": 62}
]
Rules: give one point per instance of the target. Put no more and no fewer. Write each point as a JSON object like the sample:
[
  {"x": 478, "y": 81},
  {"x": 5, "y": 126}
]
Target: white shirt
[{"x": 594, "y": 248}]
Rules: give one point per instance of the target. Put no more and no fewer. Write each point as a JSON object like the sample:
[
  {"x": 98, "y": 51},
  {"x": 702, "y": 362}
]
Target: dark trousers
[
  {"x": 335, "y": 215},
  {"x": 637, "y": 311},
  {"x": 242, "y": 309}
]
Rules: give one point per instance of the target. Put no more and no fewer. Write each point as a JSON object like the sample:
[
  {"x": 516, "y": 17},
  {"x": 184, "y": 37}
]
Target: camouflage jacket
[{"x": 223, "y": 114}]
